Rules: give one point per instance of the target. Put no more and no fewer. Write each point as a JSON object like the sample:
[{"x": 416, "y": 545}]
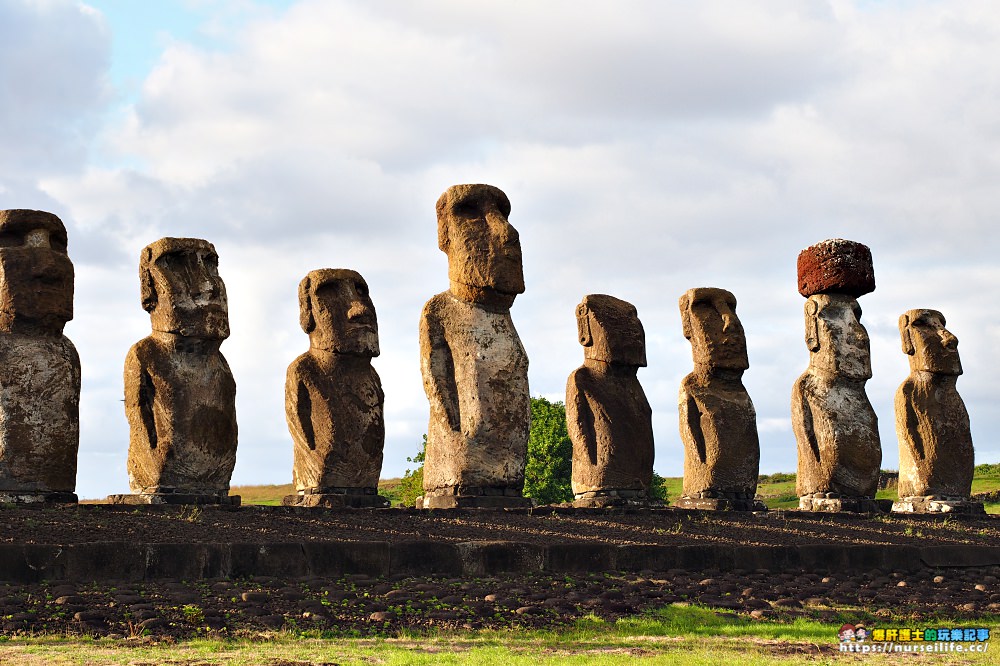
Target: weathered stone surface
[
  {"x": 39, "y": 366},
  {"x": 474, "y": 367},
  {"x": 180, "y": 396},
  {"x": 936, "y": 457},
  {"x": 834, "y": 423},
  {"x": 607, "y": 415},
  {"x": 333, "y": 396},
  {"x": 718, "y": 423},
  {"x": 836, "y": 266}
]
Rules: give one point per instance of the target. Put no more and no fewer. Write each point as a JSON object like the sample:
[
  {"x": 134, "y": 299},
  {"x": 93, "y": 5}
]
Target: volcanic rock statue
[
  {"x": 718, "y": 423},
  {"x": 834, "y": 423},
  {"x": 474, "y": 367},
  {"x": 39, "y": 366},
  {"x": 607, "y": 415},
  {"x": 333, "y": 396},
  {"x": 180, "y": 397},
  {"x": 936, "y": 458}
]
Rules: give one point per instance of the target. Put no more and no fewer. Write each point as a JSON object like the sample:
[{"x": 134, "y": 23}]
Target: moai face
[
  {"x": 837, "y": 340},
  {"x": 182, "y": 290},
  {"x": 709, "y": 321},
  {"x": 36, "y": 275},
  {"x": 610, "y": 331},
  {"x": 337, "y": 312},
  {"x": 930, "y": 346},
  {"x": 484, "y": 250}
]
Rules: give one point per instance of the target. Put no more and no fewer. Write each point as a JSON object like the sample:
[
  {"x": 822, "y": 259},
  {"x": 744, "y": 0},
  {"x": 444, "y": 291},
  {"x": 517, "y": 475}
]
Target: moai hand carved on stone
[
  {"x": 474, "y": 367},
  {"x": 180, "y": 396},
  {"x": 39, "y": 366},
  {"x": 333, "y": 396},
  {"x": 607, "y": 415},
  {"x": 833, "y": 420},
  {"x": 718, "y": 423},
  {"x": 936, "y": 458}
]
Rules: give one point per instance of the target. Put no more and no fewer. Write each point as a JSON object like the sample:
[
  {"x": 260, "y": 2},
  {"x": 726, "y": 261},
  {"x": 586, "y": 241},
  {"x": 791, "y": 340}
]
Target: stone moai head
[
  {"x": 930, "y": 346},
  {"x": 709, "y": 321},
  {"x": 337, "y": 312},
  {"x": 836, "y": 338},
  {"x": 484, "y": 250},
  {"x": 610, "y": 331},
  {"x": 36, "y": 275},
  {"x": 181, "y": 288}
]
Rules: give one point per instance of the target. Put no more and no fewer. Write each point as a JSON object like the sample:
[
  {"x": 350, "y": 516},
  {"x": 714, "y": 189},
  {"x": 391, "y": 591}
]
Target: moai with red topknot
[{"x": 834, "y": 423}]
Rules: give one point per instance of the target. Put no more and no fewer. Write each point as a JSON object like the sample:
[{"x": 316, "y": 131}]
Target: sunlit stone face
[
  {"x": 182, "y": 289},
  {"x": 835, "y": 336},
  {"x": 36, "y": 274},
  {"x": 709, "y": 321},
  {"x": 337, "y": 312},
  {"x": 610, "y": 330},
  {"x": 931, "y": 346}
]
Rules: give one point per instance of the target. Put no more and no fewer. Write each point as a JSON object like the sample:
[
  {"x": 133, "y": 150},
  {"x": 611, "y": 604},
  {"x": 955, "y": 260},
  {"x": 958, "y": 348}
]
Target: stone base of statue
[
  {"x": 599, "y": 499},
  {"x": 720, "y": 504},
  {"x": 473, "y": 497},
  {"x": 841, "y": 504},
  {"x": 939, "y": 504},
  {"x": 29, "y": 497},
  {"x": 338, "y": 498},
  {"x": 175, "y": 498}
]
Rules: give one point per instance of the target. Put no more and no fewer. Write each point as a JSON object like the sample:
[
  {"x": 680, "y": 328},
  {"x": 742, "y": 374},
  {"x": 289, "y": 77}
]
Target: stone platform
[
  {"x": 17, "y": 497},
  {"x": 175, "y": 498},
  {"x": 337, "y": 500},
  {"x": 950, "y": 505},
  {"x": 844, "y": 504},
  {"x": 714, "y": 504}
]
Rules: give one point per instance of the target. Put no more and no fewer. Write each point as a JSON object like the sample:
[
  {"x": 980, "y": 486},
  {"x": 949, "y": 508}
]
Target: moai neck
[
  {"x": 485, "y": 297},
  {"x": 187, "y": 345},
  {"x": 717, "y": 375},
  {"x": 329, "y": 360},
  {"x": 605, "y": 369},
  {"x": 936, "y": 379}
]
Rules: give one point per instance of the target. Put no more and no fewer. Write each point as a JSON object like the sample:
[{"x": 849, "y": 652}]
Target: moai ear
[
  {"x": 812, "y": 326},
  {"x": 306, "y": 320},
  {"x": 583, "y": 326},
  {"x": 904, "y": 335},
  {"x": 685, "y": 305},
  {"x": 147, "y": 290}
]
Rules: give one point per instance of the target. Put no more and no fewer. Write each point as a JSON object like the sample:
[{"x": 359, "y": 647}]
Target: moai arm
[
  {"x": 580, "y": 418},
  {"x": 140, "y": 394},
  {"x": 438, "y": 368},
  {"x": 298, "y": 408},
  {"x": 908, "y": 421},
  {"x": 803, "y": 425},
  {"x": 691, "y": 432}
]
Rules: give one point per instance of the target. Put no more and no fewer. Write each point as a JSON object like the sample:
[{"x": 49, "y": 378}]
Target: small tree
[
  {"x": 411, "y": 486},
  {"x": 548, "y": 470}
]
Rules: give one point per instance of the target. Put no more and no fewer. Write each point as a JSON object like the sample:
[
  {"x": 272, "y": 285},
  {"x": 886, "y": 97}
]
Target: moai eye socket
[{"x": 361, "y": 288}]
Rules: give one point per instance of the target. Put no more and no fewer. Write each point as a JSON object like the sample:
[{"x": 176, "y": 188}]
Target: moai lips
[
  {"x": 474, "y": 367},
  {"x": 333, "y": 396},
  {"x": 39, "y": 366},
  {"x": 718, "y": 423},
  {"x": 608, "y": 417}
]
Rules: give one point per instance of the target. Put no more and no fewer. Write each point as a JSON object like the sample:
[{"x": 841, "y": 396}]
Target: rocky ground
[{"x": 361, "y": 605}]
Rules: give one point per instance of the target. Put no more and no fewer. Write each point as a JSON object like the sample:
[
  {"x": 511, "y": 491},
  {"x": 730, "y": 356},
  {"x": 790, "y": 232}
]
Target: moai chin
[
  {"x": 718, "y": 423},
  {"x": 474, "y": 367},
  {"x": 333, "y": 396},
  {"x": 607, "y": 415},
  {"x": 936, "y": 458},
  {"x": 39, "y": 366},
  {"x": 180, "y": 396},
  {"x": 833, "y": 420}
]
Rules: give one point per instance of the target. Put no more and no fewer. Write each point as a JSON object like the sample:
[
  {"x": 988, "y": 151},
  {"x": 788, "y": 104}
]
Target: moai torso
[
  {"x": 936, "y": 456},
  {"x": 476, "y": 377},
  {"x": 608, "y": 417},
  {"x": 474, "y": 367},
  {"x": 39, "y": 366},
  {"x": 333, "y": 396},
  {"x": 180, "y": 396},
  {"x": 718, "y": 423}
]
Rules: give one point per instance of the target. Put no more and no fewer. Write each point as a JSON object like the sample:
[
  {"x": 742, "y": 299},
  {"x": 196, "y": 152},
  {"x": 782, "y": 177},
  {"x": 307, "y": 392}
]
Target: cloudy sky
[{"x": 646, "y": 147}]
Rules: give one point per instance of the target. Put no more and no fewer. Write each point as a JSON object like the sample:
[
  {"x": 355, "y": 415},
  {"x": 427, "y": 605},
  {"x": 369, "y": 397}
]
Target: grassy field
[
  {"x": 676, "y": 634},
  {"x": 777, "y": 490}
]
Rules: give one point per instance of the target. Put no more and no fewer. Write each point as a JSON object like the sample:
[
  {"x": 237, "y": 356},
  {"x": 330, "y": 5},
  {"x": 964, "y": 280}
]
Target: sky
[{"x": 647, "y": 148}]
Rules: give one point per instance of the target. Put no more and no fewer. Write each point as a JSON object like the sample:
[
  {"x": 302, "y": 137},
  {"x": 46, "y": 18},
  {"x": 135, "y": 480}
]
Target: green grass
[{"x": 676, "y": 634}]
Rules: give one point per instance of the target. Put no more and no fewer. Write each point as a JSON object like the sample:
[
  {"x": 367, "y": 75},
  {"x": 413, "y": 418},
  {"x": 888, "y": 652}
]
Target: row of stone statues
[{"x": 180, "y": 393}]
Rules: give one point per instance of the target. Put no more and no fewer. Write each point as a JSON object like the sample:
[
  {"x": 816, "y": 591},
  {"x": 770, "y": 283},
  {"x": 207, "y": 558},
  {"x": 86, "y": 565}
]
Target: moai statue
[
  {"x": 180, "y": 397},
  {"x": 834, "y": 423},
  {"x": 936, "y": 458},
  {"x": 39, "y": 366},
  {"x": 718, "y": 423},
  {"x": 607, "y": 415},
  {"x": 474, "y": 367},
  {"x": 333, "y": 396}
]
